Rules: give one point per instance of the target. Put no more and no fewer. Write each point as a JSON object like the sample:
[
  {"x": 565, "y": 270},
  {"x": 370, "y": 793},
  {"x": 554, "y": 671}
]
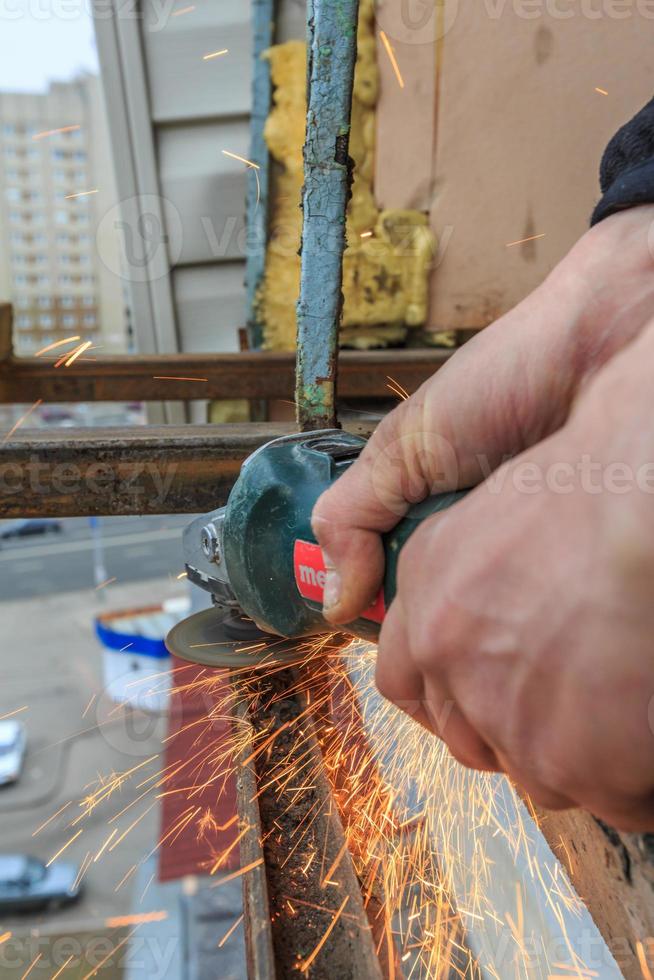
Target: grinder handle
[{"x": 395, "y": 539}]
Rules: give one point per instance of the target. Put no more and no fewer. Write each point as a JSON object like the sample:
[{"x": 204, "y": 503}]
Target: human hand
[{"x": 518, "y": 618}]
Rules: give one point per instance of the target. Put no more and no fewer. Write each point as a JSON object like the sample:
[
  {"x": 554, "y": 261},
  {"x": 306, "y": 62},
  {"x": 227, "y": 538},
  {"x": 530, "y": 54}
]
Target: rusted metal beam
[
  {"x": 139, "y": 470},
  {"x": 251, "y": 374},
  {"x": 317, "y": 923},
  {"x": 256, "y": 908}
]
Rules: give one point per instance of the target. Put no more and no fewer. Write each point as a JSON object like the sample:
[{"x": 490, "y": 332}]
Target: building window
[
  {"x": 20, "y": 280},
  {"x": 44, "y": 302},
  {"x": 13, "y": 194},
  {"x": 90, "y": 320},
  {"x": 45, "y": 320},
  {"x": 22, "y": 302},
  {"x": 67, "y": 302},
  {"x": 9, "y": 129},
  {"x": 23, "y": 322},
  {"x": 61, "y": 217},
  {"x": 69, "y": 320},
  {"x": 43, "y": 280},
  {"x": 88, "y": 300}
]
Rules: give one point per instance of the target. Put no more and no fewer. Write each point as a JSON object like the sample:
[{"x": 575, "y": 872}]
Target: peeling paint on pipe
[{"x": 332, "y": 49}]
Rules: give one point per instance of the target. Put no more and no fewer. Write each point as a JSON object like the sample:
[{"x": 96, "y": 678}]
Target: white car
[{"x": 13, "y": 743}]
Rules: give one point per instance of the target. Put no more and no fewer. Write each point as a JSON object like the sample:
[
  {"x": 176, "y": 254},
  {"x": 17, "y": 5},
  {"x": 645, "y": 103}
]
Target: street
[
  {"x": 76, "y": 739},
  {"x": 134, "y": 549}
]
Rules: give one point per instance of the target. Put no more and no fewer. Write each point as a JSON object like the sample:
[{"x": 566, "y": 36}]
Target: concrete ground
[{"x": 50, "y": 664}]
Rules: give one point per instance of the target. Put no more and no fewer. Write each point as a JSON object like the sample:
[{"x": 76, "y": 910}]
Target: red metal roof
[{"x": 187, "y": 846}]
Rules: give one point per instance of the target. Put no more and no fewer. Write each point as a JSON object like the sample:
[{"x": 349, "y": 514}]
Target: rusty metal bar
[
  {"x": 142, "y": 470},
  {"x": 256, "y": 909},
  {"x": 331, "y": 56},
  {"x": 301, "y": 839},
  {"x": 251, "y": 374}
]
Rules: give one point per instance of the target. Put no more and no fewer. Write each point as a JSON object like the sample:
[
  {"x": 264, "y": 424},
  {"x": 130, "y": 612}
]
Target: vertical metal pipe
[
  {"x": 263, "y": 35},
  {"x": 331, "y": 54}
]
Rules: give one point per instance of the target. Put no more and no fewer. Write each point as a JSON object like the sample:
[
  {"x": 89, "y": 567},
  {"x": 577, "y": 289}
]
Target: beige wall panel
[
  {"x": 520, "y": 134},
  {"x": 406, "y": 117},
  {"x": 205, "y": 188},
  {"x": 210, "y": 305}
]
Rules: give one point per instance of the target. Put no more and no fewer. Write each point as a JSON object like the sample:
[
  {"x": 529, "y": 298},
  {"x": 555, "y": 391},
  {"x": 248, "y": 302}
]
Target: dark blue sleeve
[{"x": 627, "y": 169}]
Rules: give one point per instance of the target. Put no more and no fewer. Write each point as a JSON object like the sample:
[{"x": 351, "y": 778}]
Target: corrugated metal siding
[
  {"x": 171, "y": 114},
  {"x": 206, "y": 187},
  {"x": 200, "y": 108},
  {"x": 210, "y": 300},
  {"x": 182, "y": 85}
]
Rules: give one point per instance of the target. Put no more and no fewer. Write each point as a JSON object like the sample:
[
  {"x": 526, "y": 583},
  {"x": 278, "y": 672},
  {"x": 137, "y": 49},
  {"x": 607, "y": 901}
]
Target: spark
[
  {"x": 71, "y": 197},
  {"x": 104, "y": 846},
  {"x": 111, "y": 953},
  {"x": 184, "y": 10},
  {"x": 170, "y": 377},
  {"x": 239, "y": 873},
  {"x": 22, "y": 419},
  {"x": 103, "y": 585},
  {"x": 602, "y": 91},
  {"x": 5, "y": 936},
  {"x": 230, "y": 931},
  {"x": 235, "y": 156},
  {"x": 392, "y": 58},
  {"x": 77, "y": 352},
  {"x": 88, "y": 707},
  {"x": 145, "y": 890},
  {"x": 215, "y": 54},
  {"x": 31, "y": 966},
  {"x": 521, "y": 241},
  {"x": 182, "y": 575},
  {"x": 62, "y": 967},
  {"x": 63, "y": 848},
  {"x": 642, "y": 960},
  {"x": 366, "y": 234},
  {"x": 57, "y": 343},
  {"x": 50, "y": 819},
  {"x": 16, "y": 711},
  {"x": 397, "y": 388},
  {"x": 116, "y": 921},
  {"x": 309, "y": 960},
  {"x": 54, "y": 132}
]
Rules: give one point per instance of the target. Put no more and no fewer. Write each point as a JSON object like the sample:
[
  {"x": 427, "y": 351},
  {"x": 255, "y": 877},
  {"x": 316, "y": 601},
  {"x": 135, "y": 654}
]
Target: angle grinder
[{"x": 259, "y": 559}]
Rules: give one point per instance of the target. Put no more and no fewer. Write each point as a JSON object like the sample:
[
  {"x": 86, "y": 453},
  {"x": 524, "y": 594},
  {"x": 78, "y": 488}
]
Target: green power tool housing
[{"x": 258, "y": 556}]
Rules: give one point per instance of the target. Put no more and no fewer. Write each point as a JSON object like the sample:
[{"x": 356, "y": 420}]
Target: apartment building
[{"x": 60, "y": 261}]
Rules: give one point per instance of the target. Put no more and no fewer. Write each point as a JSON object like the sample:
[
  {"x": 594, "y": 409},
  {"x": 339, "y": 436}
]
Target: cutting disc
[{"x": 215, "y": 638}]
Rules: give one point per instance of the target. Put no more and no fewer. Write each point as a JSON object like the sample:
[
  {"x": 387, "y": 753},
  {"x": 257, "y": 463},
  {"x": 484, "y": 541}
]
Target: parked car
[
  {"x": 27, "y": 885},
  {"x": 29, "y": 525},
  {"x": 13, "y": 742}
]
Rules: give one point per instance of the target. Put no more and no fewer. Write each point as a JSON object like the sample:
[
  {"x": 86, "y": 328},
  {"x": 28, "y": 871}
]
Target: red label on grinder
[{"x": 310, "y": 578}]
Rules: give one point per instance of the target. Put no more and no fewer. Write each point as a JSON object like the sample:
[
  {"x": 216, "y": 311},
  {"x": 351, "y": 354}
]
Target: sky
[{"x": 36, "y": 49}]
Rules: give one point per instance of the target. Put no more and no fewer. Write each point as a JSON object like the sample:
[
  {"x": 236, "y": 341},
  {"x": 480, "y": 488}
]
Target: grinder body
[{"x": 274, "y": 565}]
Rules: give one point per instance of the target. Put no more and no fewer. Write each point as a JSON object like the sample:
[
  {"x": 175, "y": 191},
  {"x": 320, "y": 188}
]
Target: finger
[
  {"x": 503, "y": 391},
  {"x": 399, "y": 681},
  {"x": 395, "y": 676}
]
